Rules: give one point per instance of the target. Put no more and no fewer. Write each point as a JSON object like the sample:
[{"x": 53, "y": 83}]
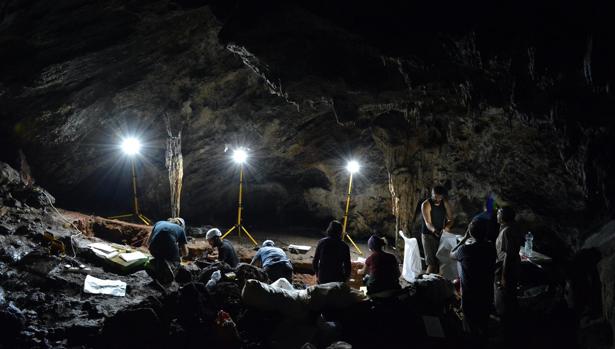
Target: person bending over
[
  {"x": 226, "y": 251},
  {"x": 331, "y": 261},
  {"x": 274, "y": 261},
  {"x": 167, "y": 243}
]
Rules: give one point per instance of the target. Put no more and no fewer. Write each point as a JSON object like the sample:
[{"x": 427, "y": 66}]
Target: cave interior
[{"x": 505, "y": 100}]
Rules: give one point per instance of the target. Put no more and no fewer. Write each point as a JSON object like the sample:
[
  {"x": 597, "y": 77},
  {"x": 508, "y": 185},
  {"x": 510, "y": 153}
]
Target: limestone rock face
[{"x": 421, "y": 95}]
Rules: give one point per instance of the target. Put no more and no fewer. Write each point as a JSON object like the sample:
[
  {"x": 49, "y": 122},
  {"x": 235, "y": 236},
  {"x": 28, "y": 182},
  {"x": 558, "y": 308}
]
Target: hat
[
  {"x": 213, "y": 232},
  {"x": 375, "y": 243},
  {"x": 268, "y": 243},
  {"x": 179, "y": 221}
]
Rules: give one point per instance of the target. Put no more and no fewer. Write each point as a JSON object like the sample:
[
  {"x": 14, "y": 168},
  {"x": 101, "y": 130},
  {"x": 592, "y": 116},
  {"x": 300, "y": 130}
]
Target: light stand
[
  {"x": 240, "y": 157},
  {"x": 352, "y": 167},
  {"x": 131, "y": 147}
]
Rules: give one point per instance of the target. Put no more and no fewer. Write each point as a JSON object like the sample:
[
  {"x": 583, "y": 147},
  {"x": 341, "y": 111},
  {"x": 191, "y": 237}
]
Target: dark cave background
[{"x": 511, "y": 98}]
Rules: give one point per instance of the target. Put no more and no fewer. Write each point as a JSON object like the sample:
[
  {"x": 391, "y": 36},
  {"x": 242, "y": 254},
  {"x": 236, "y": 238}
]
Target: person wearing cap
[
  {"x": 331, "y": 261},
  {"x": 381, "y": 268},
  {"x": 274, "y": 261},
  {"x": 167, "y": 243},
  {"x": 226, "y": 251}
]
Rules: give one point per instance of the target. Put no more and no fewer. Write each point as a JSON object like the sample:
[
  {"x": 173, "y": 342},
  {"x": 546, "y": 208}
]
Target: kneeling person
[
  {"x": 226, "y": 251},
  {"x": 167, "y": 243},
  {"x": 274, "y": 261}
]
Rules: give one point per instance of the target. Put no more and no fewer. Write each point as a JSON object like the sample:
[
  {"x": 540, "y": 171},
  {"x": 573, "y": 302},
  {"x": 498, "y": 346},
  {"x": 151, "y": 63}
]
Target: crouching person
[
  {"x": 381, "y": 268},
  {"x": 226, "y": 251},
  {"x": 167, "y": 244},
  {"x": 274, "y": 261}
]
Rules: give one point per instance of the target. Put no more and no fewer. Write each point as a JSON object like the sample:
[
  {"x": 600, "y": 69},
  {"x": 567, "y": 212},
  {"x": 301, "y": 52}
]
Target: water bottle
[{"x": 529, "y": 244}]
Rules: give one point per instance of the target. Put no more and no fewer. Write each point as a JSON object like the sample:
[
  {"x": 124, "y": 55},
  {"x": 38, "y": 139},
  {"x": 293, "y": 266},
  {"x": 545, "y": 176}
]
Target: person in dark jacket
[
  {"x": 381, "y": 268},
  {"x": 332, "y": 257},
  {"x": 226, "y": 251},
  {"x": 477, "y": 267}
]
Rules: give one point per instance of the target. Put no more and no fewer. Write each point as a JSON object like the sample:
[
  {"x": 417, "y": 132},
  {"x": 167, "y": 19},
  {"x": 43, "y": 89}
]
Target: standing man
[
  {"x": 274, "y": 261},
  {"x": 477, "y": 265},
  {"x": 331, "y": 261},
  {"x": 437, "y": 217},
  {"x": 508, "y": 264},
  {"x": 166, "y": 242},
  {"x": 226, "y": 251}
]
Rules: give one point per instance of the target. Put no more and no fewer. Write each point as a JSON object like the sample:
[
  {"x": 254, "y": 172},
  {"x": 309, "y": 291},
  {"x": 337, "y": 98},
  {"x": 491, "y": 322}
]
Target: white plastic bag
[
  {"x": 448, "y": 267},
  {"x": 98, "y": 286},
  {"x": 412, "y": 258},
  {"x": 215, "y": 277}
]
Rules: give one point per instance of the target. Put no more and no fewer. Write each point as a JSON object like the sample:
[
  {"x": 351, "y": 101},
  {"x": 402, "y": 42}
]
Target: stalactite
[{"x": 175, "y": 165}]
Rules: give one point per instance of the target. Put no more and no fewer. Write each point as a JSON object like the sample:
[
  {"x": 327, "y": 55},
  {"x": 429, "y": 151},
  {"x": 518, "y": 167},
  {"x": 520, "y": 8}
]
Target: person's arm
[
  {"x": 182, "y": 242},
  {"x": 426, "y": 212},
  {"x": 347, "y": 263},
  {"x": 256, "y": 258},
  {"x": 316, "y": 260},
  {"x": 183, "y": 248},
  {"x": 363, "y": 270},
  {"x": 456, "y": 253},
  {"x": 508, "y": 249},
  {"x": 449, "y": 216}
]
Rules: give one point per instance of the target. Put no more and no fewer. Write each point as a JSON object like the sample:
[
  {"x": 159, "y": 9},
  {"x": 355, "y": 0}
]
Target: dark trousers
[{"x": 279, "y": 270}]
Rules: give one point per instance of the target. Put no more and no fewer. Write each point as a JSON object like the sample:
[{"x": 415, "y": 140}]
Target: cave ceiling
[{"x": 512, "y": 99}]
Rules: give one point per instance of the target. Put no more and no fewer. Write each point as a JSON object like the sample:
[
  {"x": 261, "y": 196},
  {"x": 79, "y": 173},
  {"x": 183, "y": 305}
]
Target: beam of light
[
  {"x": 240, "y": 156},
  {"x": 131, "y": 146},
  {"x": 353, "y": 166}
]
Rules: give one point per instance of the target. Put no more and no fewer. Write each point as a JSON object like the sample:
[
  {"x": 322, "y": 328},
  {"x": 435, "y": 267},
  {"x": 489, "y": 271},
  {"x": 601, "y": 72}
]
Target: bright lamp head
[
  {"x": 352, "y": 166},
  {"x": 240, "y": 156},
  {"x": 131, "y": 146}
]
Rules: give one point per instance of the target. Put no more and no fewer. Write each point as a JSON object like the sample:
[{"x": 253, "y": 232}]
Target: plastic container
[{"x": 529, "y": 244}]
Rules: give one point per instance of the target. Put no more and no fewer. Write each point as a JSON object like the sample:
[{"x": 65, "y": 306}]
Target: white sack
[
  {"x": 448, "y": 267},
  {"x": 412, "y": 258}
]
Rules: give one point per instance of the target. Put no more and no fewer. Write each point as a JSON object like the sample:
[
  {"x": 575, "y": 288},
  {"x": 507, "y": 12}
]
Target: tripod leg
[
  {"x": 250, "y": 236},
  {"x": 145, "y": 219},
  {"x": 353, "y": 244},
  {"x": 228, "y": 232}
]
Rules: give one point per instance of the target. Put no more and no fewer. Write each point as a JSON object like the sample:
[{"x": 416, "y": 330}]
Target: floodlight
[
  {"x": 352, "y": 166},
  {"x": 131, "y": 146},
  {"x": 240, "y": 156}
]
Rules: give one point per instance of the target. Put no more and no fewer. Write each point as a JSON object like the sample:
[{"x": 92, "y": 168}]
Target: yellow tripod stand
[
  {"x": 137, "y": 214},
  {"x": 344, "y": 235},
  {"x": 239, "y": 226}
]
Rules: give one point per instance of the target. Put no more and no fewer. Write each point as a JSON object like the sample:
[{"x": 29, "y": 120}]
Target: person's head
[
  {"x": 268, "y": 243},
  {"x": 437, "y": 193},
  {"x": 489, "y": 204},
  {"x": 478, "y": 229},
  {"x": 334, "y": 230},
  {"x": 506, "y": 214},
  {"x": 213, "y": 237},
  {"x": 375, "y": 243},
  {"x": 178, "y": 220}
]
